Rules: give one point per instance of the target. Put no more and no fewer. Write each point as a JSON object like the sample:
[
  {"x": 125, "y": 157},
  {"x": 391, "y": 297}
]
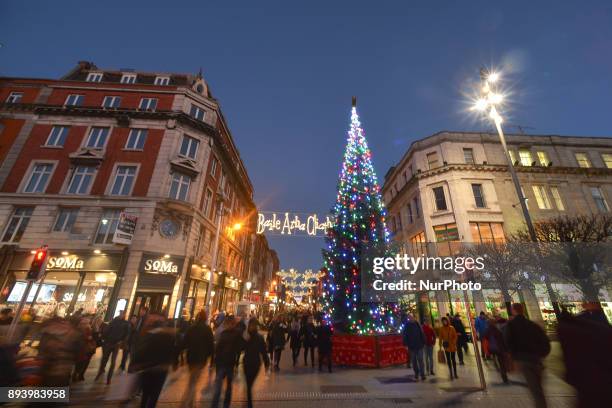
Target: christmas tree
[{"x": 359, "y": 222}]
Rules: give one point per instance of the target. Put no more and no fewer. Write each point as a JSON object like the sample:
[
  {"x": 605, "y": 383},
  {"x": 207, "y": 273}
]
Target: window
[
  {"x": 136, "y": 139},
  {"x": 478, "y": 196},
  {"x": 524, "y": 197},
  {"x": 161, "y": 80},
  {"x": 468, "y": 155},
  {"x": 65, "y": 219},
  {"x": 39, "y": 177},
  {"x": 583, "y": 160},
  {"x": 410, "y": 215},
  {"x": 124, "y": 180},
  {"x": 97, "y": 137},
  {"x": 111, "y": 102},
  {"x": 197, "y": 112},
  {"x": 81, "y": 179},
  {"x": 189, "y": 147},
  {"x": 554, "y": 190},
  {"x": 525, "y": 156},
  {"x": 107, "y": 226},
  {"x": 128, "y": 79},
  {"x": 541, "y": 197},
  {"x": 74, "y": 100},
  {"x": 439, "y": 198},
  {"x": 94, "y": 77},
  {"x": 57, "y": 137},
  {"x": 512, "y": 157},
  {"x": 213, "y": 167},
  {"x": 607, "y": 159},
  {"x": 543, "y": 158},
  {"x": 208, "y": 201},
  {"x": 179, "y": 187},
  {"x": 485, "y": 232},
  {"x": 14, "y": 97},
  {"x": 399, "y": 222},
  {"x": 432, "y": 160},
  {"x": 446, "y": 233},
  {"x": 17, "y": 224},
  {"x": 417, "y": 208},
  {"x": 599, "y": 199},
  {"x": 149, "y": 104}
]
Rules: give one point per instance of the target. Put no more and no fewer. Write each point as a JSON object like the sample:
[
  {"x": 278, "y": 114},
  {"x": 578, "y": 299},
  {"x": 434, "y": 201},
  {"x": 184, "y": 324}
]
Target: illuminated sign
[
  {"x": 65, "y": 262},
  {"x": 160, "y": 266},
  {"x": 293, "y": 224}
]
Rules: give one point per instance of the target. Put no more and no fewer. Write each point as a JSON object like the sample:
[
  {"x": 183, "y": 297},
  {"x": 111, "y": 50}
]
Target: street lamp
[{"x": 488, "y": 102}]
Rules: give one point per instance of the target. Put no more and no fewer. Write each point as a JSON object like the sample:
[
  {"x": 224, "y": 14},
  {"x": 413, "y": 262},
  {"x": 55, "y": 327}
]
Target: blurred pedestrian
[
  {"x": 414, "y": 340},
  {"x": 228, "y": 345},
  {"x": 112, "y": 337},
  {"x": 461, "y": 337},
  {"x": 57, "y": 350},
  {"x": 481, "y": 324},
  {"x": 278, "y": 337},
  {"x": 254, "y": 353},
  {"x": 86, "y": 351},
  {"x": 309, "y": 339},
  {"x": 448, "y": 341},
  {"x": 528, "y": 345},
  {"x": 199, "y": 344},
  {"x": 127, "y": 346},
  {"x": 323, "y": 336},
  {"x": 497, "y": 346},
  {"x": 430, "y": 342},
  {"x": 295, "y": 340}
]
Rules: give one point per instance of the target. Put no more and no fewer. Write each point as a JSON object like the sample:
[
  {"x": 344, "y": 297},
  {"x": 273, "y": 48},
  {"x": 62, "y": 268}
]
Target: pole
[
  {"x": 517, "y": 186},
  {"x": 215, "y": 255},
  {"x": 468, "y": 312}
]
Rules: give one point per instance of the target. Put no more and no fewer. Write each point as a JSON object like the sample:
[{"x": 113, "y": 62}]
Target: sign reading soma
[{"x": 292, "y": 224}]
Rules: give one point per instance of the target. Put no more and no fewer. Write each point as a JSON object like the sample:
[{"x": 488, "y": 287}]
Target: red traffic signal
[{"x": 38, "y": 264}]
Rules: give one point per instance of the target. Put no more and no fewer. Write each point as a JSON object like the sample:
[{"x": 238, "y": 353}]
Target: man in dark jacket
[
  {"x": 199, "y": 343},
  {"x": 229, "y": 344},
  {"x": 113, "y": 335},
  {"x": 414, "y": 340},
  {"x": 323, "y": 334},
  {"x": 528, "y": 345},
  {"x": 461, "y": 337},
  {"x": 278, "y": 338}
]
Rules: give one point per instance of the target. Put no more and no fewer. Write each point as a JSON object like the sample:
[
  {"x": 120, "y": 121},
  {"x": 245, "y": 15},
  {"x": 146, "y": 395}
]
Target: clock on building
[{"x": 169, "y": 228}]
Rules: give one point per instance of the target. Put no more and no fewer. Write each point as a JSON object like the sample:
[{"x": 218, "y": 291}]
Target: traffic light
[{"x": 38, "y": 264}]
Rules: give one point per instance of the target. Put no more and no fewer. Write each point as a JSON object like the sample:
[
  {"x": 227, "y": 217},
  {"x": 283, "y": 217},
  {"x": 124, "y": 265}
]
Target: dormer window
[
  {"x": 94, "y": 77},
  {"x": 128, "y": 79},
  {"x": 162, "y": 80}
]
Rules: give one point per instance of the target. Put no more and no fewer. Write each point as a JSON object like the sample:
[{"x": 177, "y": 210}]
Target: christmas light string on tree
[{"x": 359, "y": 221}]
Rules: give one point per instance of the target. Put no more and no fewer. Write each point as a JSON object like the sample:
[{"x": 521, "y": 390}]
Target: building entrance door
[{"x": 156, "y": 302}]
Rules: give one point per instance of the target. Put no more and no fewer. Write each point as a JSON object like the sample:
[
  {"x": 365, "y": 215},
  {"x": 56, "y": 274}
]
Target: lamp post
[{"x": 487, "y": 103}]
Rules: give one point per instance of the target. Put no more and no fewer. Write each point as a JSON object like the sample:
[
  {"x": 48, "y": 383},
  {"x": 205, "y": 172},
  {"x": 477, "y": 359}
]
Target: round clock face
[{"x": 169, "y": 228}]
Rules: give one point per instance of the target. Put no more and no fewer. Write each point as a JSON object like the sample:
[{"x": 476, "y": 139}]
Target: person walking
[
  {"x": 414, "y": 340},
  {"x": 254, "y": 353},
  {"x": 112, "y": 337},
  {"x": 278, "y": 338},
  {"x": 229, "y": 343},
  {"x": 461, "y": 337},
  {"x": 199, "y": 343},
  {"x": 309, "y": 340},
  {"x": 448, "y": 341},
  {"x": 430, "y": 342},
  {"x": 481, "y": 324},
  {"x": 128, "y": 344},
  {"x": 323, "y": 335},
  {"x": 86, "y": 351},
  {"x": 528, "y": 345},
  {"x": 295, "y": 340},
  {"x": 496, "y": 345}
]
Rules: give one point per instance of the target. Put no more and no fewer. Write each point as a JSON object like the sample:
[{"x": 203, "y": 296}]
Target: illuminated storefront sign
[
  {"x": 293, "y": 224},
  {"x": 65, "y": 262}
]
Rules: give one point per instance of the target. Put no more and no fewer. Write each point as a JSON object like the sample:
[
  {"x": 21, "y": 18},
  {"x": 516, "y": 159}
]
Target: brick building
[{"x": 84, "y": 153}]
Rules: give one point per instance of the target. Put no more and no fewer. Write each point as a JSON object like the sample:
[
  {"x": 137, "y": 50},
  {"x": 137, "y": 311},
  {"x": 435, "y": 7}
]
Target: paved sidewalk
[{"x": 307, "y": 387}]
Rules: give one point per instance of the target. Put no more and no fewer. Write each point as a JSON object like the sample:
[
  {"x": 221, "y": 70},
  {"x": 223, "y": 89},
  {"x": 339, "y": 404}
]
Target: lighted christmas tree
[{"x": 359, "y": 222}]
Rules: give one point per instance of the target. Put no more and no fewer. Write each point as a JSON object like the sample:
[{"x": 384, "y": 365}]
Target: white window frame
[
  {"x": 79, "y": 97},
  {"x": 543, "y": 158},
  {"x": 471, "y": 152},
  {"x": 110, "y": 215},
  {"x": 114, "y": 179},
  {"x": 190, "y": 141},
  {"x": 140, "y": 135},
  {"x": 94, "y": 77},
  {"x": 89, "y": 135},
  {"x": 14, "y": 97},
  {"x": 200, "y": 113},
  {"x": 182, "y": 180},
  {"x": 21, "y": 218},
  {"x": 607, "y": 163},
  {"x": 599, "y": 197},
  {"x": 482, "y": 195},
  {"x": 525, "y": 157},
  {"x": 556, "y": 195},
  {"x": 128, "y": 79},
  {"x": 73, "y": 174},
  {"x": 208, "y": 204},
  {"x": 63, "y": 132},
  {"x": 30, "y": 173},
  {"x": 586, "y": 160},
  {"x": 162, "y": 80},
  {"x": 145, "y": 104},
  {"x": 213, "y": 166},
  {"x": 541, "y": 196},
  {"x": 74, "y": 211},
  {"x": 115, "y": 100},
  {"x": 433, "y": 192},
  {"x": 429, "y": 162}
]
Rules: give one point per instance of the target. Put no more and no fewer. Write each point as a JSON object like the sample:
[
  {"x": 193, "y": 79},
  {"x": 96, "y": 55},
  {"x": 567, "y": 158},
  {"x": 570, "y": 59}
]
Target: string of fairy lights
[
  {"x": 359, "y": 219},
  {"x": 297, "y": 283}
]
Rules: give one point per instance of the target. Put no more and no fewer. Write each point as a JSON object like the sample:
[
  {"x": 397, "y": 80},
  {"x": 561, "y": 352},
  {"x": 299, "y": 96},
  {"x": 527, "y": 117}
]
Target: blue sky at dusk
[{"x": 284, "y": 73}]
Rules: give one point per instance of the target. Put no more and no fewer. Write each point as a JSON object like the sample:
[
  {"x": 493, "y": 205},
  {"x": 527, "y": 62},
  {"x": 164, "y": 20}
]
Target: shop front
[
  {"x": 157, "y": 275},
  {"x": 194, "y": 297},
  {"x": 73, "y": 280}
]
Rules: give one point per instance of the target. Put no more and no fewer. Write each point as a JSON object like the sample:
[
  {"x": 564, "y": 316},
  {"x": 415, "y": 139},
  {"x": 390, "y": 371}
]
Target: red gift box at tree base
[{"x": 368, "y": 351}]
